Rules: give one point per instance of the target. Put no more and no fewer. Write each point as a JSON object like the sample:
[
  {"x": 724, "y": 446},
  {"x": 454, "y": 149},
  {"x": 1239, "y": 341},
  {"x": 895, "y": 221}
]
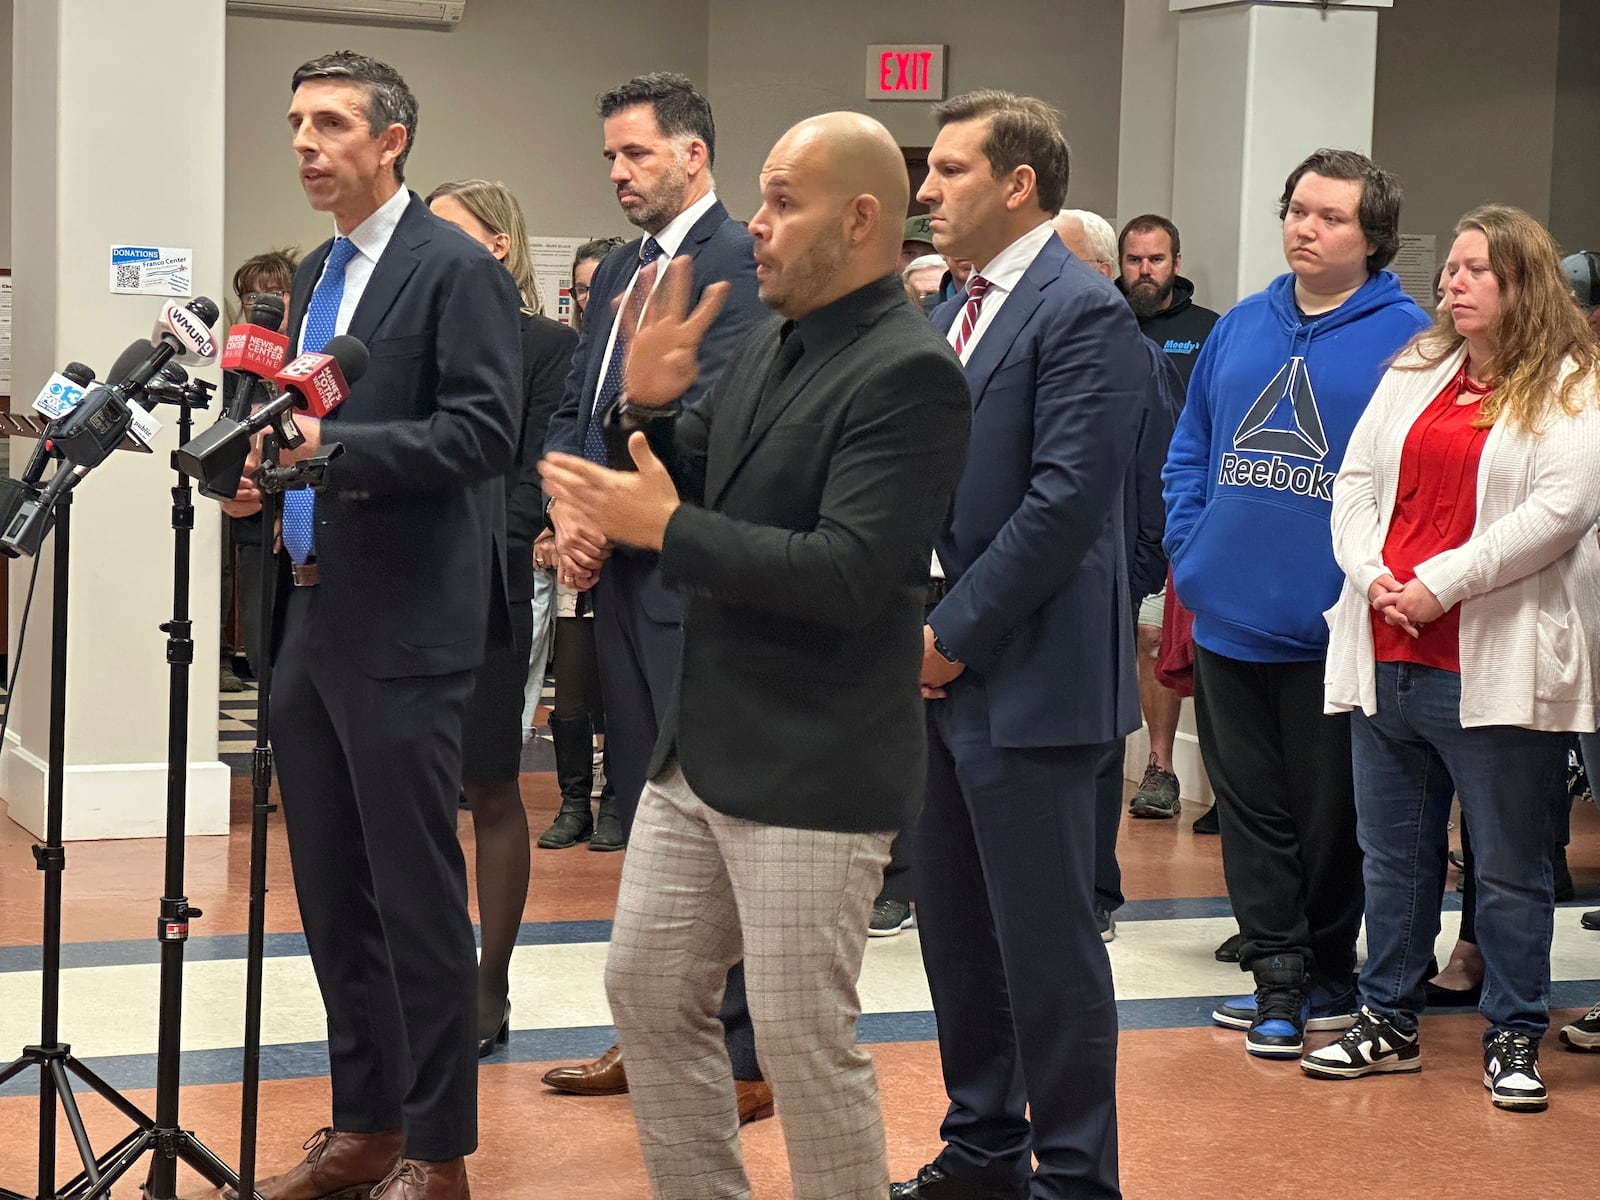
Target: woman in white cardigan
[{"x": 1466, "y": 635}]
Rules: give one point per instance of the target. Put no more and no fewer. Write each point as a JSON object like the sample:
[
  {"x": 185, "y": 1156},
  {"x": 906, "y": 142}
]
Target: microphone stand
[
  {"x": 159, "y": 1135},
  {"x": 163, "y": 1138},
  {"x": 273, "y": 482}
]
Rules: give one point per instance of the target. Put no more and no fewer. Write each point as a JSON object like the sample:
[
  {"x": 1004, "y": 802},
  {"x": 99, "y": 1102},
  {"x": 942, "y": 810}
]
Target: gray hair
[
  {"x": 389, "y": 100},
  {"x": 1098, "y": 233}
]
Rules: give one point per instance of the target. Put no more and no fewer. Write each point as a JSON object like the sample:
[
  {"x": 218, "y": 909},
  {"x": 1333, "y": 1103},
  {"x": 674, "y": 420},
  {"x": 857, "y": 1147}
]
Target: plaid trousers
[{"x": 698, "y": 890}]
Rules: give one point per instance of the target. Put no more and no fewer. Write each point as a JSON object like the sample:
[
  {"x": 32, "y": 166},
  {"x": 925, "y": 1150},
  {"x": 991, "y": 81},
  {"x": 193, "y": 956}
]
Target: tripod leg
[
  {"x": 110, "y": 1095},
  {"x": 118, "y": 1163},
  {"x": 74, "y": 1187},
  {"x": 69, "y": 1106},
  {"x": 23, "y": 1063}
]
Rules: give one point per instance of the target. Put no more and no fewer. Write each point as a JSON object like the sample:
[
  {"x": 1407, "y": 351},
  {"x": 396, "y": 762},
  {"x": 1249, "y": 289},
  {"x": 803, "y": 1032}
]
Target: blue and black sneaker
[
  {"x": 1328, "y": 1009},
  {"x": 1279, "y": 1028}
]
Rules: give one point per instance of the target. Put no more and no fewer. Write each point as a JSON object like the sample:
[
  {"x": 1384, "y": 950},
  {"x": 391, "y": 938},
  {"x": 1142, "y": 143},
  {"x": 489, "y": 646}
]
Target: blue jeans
[{"x": 1409, "y": 760}]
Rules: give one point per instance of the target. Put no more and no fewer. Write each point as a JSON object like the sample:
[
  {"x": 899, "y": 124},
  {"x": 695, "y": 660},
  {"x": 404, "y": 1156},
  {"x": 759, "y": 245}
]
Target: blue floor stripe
[
  {"x": 304, "y": 1060},
  {"x": 533, "y": 933}
]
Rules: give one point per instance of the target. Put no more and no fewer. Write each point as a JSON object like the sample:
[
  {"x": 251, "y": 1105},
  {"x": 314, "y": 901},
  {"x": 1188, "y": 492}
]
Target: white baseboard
[{"x": 112, "y": 800}]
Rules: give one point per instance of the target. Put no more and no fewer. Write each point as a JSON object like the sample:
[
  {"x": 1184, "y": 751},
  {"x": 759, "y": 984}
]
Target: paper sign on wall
[
  {"x": 1417, "y": 264},
  {"x": 552, "y": 267},
  {"x": 152, "y": 270}
]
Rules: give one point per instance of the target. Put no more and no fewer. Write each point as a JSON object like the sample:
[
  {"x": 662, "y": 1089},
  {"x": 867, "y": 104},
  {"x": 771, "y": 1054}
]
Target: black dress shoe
[
  {"x": 499, "y": 1037},
  {"x": 1229, "y": 950},
  {"x": 1590, "y": 919},
  {"x": 932, "y": 1183},
  {"x": 1443, "y": 997}
]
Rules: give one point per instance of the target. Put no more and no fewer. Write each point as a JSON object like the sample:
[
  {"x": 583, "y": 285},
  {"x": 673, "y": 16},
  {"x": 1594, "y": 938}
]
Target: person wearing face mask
[
  {"x": 1277, "y": 390},
  {"x": 491, "y": 742},
  {"x": 1463, "y": 641}
]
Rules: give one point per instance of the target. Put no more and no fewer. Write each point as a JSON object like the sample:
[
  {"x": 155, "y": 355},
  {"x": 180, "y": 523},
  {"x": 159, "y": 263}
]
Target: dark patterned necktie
[{"x": 594, "y": 444}]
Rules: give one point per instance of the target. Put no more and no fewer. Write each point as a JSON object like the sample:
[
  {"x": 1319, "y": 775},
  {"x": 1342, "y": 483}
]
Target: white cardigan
[{"x": 1527, "y": 580}]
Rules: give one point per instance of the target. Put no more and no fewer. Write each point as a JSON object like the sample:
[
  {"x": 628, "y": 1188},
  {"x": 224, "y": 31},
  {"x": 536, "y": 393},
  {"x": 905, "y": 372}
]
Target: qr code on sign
[{"x": 128, "y": 275}]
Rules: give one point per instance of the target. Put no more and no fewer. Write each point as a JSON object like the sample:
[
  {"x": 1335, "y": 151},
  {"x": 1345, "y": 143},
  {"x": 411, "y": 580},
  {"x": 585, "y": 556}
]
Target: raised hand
[{"x": 663, "y": 356}]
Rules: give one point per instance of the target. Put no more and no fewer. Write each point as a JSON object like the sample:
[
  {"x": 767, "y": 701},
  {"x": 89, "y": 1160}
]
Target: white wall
[
  {"x": 508, "y": 95},
  {"x": 773, "y": 64}
]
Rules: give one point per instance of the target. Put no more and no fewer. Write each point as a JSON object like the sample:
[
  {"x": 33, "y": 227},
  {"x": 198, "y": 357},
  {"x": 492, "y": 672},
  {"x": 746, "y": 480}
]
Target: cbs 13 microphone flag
[{"x": 152, "y": 270}]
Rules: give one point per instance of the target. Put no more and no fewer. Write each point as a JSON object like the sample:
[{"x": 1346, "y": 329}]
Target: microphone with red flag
[{"x": 313, "y": 383}]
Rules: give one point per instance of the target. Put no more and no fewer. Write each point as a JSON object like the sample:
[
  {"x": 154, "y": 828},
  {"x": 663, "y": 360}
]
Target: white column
[
  {"x": 1260, "y": 86},
  {"x": 1147, "y": 128},
  {"x": 117, "y": 138}
]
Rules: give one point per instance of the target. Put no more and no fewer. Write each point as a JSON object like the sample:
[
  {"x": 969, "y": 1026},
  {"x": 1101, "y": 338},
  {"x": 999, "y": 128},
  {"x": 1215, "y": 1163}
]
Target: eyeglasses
[
  {"x": 249, "y": 298},
  {"x": 581, "y": 290}
]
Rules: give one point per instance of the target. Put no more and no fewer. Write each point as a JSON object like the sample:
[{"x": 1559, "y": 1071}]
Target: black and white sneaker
[
  {"x": 889, "y": 917},
  {"x": 1157, "y": 796},
  {"x": 1372, "y": 1046},
  {"x": 1511, "y": 1073},
  {"x": 1583, "y": 1034}
]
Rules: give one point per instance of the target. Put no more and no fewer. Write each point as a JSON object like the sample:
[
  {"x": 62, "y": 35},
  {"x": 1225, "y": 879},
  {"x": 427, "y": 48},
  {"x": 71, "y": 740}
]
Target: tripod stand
[{"x": 159, "y": 1135}]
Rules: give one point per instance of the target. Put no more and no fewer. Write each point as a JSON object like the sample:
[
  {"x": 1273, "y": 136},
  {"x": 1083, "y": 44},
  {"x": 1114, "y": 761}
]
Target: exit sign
[{"x": 905, "y": 72}]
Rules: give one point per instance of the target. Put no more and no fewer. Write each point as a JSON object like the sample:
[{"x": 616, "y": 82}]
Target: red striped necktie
[{"x": 976, "y": 287}]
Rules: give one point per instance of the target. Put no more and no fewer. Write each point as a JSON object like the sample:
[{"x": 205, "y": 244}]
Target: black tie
[{"x": 790, "y": 347}]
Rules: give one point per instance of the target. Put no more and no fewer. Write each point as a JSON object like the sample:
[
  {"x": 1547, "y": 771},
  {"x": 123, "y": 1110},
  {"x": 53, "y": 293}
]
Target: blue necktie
[
  {"x": 299, "y": 507},
  {"x": 594, "y": 445}
]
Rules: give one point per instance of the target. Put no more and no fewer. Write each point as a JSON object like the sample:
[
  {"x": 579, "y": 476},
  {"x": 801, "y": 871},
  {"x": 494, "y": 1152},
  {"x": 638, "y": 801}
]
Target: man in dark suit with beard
[{"x": 661, "y": 141}]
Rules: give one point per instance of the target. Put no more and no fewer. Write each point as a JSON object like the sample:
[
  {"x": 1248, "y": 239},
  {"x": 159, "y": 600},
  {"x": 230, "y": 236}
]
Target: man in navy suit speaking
[{"x": 1028, "y": 668}]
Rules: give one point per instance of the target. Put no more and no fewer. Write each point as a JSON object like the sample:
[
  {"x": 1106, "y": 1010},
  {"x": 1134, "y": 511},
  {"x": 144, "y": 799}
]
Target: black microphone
[
  {"x": 255, "y": 351},
  {"x": 74, "y": 376}
]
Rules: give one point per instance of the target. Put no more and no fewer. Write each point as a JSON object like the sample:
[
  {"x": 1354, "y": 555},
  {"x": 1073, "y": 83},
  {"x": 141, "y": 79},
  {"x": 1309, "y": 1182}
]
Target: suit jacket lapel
[
  {"x": 393, "y": 268},
  {"x": 1013, "y": 316}
]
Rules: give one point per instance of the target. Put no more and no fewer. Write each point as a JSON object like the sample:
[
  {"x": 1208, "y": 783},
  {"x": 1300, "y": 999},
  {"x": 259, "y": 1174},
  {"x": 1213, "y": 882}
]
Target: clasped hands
[
  {"x": 1410, "y": 607},
  {"x": 594, "y": 508}
]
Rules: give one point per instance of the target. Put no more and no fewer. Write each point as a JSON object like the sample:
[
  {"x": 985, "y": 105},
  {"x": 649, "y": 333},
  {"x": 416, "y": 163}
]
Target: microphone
[
  {"x": 314, "y": 383},
  {"x": 321, "y": 382},
  {"x": 62, "y": 392},
  {"x": 255, "y": 351},
  {"x": 183, "y": 333}
]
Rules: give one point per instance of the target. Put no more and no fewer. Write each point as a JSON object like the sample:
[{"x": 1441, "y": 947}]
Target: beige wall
[
  {"x": 773, "y": 64},
  {"x": 1575, "y": 182},
  {"x": 1465, "y": 106},
  {"x": 508, "y": 95}
]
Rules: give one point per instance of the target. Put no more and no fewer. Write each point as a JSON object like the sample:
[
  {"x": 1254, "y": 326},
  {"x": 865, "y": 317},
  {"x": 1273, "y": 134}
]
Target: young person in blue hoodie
[{"x": 1273, "y": 399}]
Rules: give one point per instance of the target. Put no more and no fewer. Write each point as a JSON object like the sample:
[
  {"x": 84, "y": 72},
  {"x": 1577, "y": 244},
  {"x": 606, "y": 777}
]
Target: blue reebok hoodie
[{"x": 1249, "y": 477}]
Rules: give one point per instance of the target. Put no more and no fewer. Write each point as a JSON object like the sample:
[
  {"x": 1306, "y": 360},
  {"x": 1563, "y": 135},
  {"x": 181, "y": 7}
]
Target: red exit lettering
[{"x": 904, "y": 71}]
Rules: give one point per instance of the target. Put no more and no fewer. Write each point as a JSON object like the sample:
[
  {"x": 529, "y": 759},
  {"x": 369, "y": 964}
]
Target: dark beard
[{"x": 1147, "y": 303}]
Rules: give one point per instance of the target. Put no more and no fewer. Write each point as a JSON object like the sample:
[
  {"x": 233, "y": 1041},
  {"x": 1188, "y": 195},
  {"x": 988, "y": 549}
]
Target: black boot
[
  {"x": 608, "y": 826},
  {"x": 574, "y": 767}
]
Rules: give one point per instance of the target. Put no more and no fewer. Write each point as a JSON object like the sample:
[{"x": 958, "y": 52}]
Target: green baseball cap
[{"x": 919, "y": 229}]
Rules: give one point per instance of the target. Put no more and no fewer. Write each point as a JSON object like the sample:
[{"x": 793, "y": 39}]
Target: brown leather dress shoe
[
  {"x": 339, "y": 1166},
  {"x": 413, "y": 1179},
  {"x": 755, "y": 1100},
  {"x": 602, "y": 1077}
]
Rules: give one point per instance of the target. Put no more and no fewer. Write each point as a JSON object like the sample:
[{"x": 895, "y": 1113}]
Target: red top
[{"x": 1435, "y": 506}]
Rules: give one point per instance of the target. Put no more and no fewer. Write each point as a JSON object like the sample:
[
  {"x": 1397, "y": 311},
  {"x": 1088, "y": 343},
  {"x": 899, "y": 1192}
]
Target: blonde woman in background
[{"x": 492, "y": 732}]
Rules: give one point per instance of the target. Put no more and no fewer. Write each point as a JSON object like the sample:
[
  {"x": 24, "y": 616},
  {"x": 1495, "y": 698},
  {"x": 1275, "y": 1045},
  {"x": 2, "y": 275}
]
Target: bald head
[{"x": 834, "y": 195}]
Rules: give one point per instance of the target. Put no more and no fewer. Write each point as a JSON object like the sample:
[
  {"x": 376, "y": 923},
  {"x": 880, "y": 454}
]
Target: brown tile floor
[{"x": 1199, "y": 1118}]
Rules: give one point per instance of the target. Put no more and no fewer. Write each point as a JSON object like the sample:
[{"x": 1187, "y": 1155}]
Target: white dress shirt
[
  {"x": 1002, "y": 273},
  {"x": 371, "y": 238},
  {"x": 669, "y": 239}
]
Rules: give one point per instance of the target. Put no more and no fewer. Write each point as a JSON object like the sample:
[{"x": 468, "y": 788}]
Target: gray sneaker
[
  {"x": 889, "y": 917},
  {"x": 1157, "y": 796}
]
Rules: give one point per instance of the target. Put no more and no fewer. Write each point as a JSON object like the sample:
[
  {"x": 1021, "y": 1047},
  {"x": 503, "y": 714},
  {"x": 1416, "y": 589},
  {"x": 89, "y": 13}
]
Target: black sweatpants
[{"x": 1281, "y": 772}]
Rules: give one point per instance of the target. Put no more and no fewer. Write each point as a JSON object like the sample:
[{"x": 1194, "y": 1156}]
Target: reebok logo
[
  {"x": 1277, "y": 475},
  {"x": 1284, "y": 418}
]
